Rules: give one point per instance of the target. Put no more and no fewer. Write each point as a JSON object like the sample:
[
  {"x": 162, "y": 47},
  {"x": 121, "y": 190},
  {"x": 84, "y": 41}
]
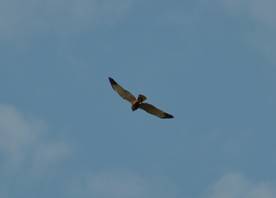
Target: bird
[{"x": 138, "y": 103}]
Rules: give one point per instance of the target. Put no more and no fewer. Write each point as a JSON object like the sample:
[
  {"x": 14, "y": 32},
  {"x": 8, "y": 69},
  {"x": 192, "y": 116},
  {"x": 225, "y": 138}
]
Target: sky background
[{"x": 65, "y": 133}]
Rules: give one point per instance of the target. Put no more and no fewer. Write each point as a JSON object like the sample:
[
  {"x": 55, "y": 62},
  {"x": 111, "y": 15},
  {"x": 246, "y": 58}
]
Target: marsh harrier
[{"x": 138, "y": 103}]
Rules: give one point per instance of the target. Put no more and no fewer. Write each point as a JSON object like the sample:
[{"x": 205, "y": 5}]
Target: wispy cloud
[
  {"x": 15, "y": 133},
  {"x": 29, "y": 155},
  {"x": 24, "y": 143},
  {"x": 235, "y": 185},
  {"x": 121, "y": 185},
  {"x": 261, "y": 11},
  {"x": 263, "y": 14},
  {"x": 18, "y": 18}
]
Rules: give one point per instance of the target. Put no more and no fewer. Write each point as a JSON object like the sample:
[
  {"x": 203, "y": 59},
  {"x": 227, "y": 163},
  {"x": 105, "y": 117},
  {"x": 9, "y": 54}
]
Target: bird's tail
[{"x": 141, "y": 98}]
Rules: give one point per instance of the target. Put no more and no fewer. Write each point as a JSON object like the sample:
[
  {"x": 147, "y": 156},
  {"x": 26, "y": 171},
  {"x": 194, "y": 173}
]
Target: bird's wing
[
  {"x": 121, "y": 91},
  {"x": 154, "y": 111}
]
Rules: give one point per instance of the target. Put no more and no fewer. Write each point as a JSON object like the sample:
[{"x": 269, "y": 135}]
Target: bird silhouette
[{"x": 138, "y": 103}]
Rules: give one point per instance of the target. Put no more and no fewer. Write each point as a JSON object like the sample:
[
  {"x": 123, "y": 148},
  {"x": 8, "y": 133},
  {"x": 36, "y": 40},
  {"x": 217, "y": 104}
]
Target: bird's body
[
  {"x": 135, "y": 105},
  {"x": 139, "y": 102}
]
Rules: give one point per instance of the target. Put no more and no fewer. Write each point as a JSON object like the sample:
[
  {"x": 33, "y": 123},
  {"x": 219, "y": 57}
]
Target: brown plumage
[{"x": 139, "y": 102}]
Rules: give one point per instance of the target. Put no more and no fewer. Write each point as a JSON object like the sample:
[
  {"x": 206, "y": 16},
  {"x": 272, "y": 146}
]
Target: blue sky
[{"x": 65, "y": 133}]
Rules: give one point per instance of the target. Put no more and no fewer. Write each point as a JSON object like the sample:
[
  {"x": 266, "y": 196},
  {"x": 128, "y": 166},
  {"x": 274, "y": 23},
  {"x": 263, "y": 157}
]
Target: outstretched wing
[
  {"x": 154, "y": 111},
  {"x": 121, "y": 91}
]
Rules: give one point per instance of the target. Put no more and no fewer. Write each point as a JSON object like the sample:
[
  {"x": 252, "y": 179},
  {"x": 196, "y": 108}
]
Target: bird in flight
[{"x": 138, "y": 103}]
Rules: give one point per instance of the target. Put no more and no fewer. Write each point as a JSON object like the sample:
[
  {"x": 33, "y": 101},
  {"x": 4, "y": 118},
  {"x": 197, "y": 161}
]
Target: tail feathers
[{"x": 141, "y": 98}]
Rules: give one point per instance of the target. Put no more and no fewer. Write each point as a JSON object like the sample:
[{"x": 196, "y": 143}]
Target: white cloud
[
  {"x": 261, "y": 11},
  {"x": 263, "y": 14},
  {"x": 121, "y": 185},
  {"x": 264, "y": 11},
  {"x": 28, "y": 154},
  {"x": 15, "y": 132},
  {"x": 237, "y": 186},
  {"x": 20, "y": 18},
  {"x": 23, "y": 142}
]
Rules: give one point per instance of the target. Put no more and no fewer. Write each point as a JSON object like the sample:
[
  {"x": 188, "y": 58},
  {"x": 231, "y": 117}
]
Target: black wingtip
[
  {"x": 112, "y": 81},
  {"x": 168, "y": 116}
]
